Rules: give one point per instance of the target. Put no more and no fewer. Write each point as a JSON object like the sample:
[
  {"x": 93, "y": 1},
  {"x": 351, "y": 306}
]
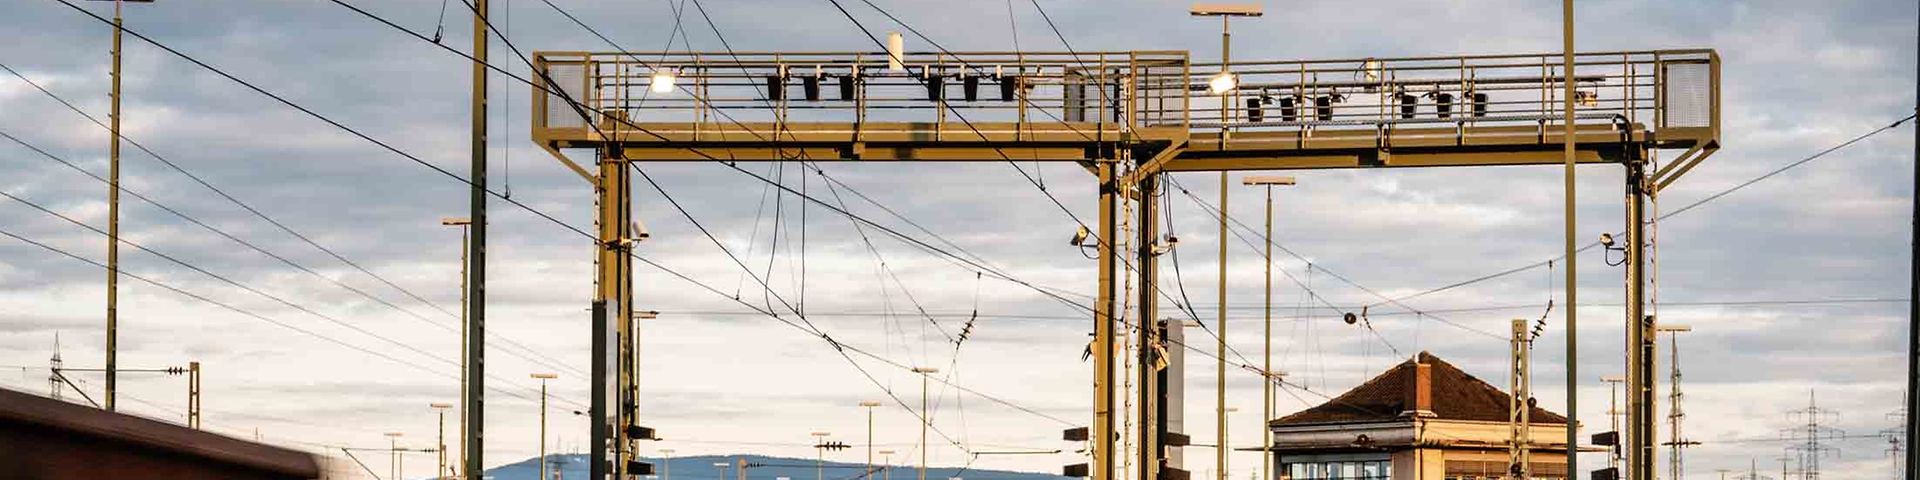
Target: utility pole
[
  {"x": 113, "y": 217},
  {"x": 1896, "y": 445},
  {"x": 193, "y": 395},
  {"x": 1753, "y": 472},
  {"x": 441, "y": 470},
  {"x": 475, "y": 448},
  {"x": 926, "y": 416},
  {"x": 1809, "y": 432},
  {"x": 53, "y": 369},
  {"x": 1677, "y": 443},
  {"x": 1266, "y": 340},
  {"x": 869, "y": 405},
  {"x": 543, "y": 378},
  {"x": 1613, "y": 415},
  {"x": 1520, "y": 404}
]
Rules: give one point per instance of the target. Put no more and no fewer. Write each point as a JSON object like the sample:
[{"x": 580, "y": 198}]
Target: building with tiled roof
[{"x": 1423, "y": 419}]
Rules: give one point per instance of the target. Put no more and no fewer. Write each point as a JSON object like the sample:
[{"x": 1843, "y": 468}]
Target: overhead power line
[
  {"x": 518, "y": 350},
  {"x": 1683, "y": 209},
  {"x": 247, "y": 313},
  {"x": 251, "y": 289}
]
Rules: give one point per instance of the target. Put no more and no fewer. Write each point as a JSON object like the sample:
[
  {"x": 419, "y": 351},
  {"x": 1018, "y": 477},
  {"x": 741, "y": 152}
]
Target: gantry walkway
[{"x": 1084, "y": 107}]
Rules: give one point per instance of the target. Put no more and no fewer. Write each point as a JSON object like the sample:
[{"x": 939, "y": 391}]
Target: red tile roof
[{"x": 1455, "y": 396}]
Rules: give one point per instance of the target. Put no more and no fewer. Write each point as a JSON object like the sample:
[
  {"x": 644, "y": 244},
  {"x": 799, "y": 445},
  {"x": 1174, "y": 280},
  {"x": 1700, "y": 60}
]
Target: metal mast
[
  {"x": 1567, "y": 216},
  {"x": 475, "y": 449},
  {"x": 1520, "y": 405},
  {"x": 1676, "y": 443}
]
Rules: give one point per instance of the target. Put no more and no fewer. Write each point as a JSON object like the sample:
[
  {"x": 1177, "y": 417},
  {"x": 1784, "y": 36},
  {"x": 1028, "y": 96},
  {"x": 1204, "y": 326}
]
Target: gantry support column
[
  {"x": 1152, "y": 380},
  {"x": 1640, "y": 331},
  {"x": 613, "y": 322},
  {"x": 1101, "y": 439}
]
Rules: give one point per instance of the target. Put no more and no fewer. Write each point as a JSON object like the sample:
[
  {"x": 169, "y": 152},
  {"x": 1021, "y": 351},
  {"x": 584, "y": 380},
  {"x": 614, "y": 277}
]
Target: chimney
[{"x": 1418, "y": 393}]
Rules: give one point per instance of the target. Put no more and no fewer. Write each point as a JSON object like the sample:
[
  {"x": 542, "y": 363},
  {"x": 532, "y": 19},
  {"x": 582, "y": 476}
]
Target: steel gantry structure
[{"x": 1128, "y": 118}]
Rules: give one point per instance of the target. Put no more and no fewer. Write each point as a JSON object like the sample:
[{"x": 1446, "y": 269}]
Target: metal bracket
[
  {"x": 1680, "y": 166},
  {"x": 577, "y": 169}
]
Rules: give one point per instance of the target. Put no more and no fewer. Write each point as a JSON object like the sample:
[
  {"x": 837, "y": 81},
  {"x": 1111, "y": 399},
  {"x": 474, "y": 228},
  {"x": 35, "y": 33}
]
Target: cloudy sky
[{"x": 305, "y": 359}]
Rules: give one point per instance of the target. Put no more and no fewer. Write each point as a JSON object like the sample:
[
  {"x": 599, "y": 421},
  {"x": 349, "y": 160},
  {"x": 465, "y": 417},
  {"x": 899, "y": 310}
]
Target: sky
[{"x": 303, "y": 358}]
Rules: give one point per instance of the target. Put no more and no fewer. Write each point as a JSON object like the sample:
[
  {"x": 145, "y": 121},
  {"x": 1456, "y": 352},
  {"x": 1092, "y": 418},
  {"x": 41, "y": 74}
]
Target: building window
[{"x": 1368, "y": 470}]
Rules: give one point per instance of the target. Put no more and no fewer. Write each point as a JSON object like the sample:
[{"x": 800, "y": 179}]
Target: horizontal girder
[{"x": 1043, "y": 106}]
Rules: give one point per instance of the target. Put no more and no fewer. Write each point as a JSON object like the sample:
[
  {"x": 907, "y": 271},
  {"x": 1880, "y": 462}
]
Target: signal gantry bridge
[{"x": 1127, "y": 117}]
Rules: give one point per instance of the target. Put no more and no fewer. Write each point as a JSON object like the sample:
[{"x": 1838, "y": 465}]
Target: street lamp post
[
  {"x": 441, "y": 408},
  {"x": 1223, "y": 85},
  {"x": 722, "y": 466},
  {"x": 543, "y": 378},
  {"x": 666, "y": 464},
  {"x": 886, "y": 465},
  {"x": 1266, "y": 369},
  {"x": 926, "y": 417},
  {"x": 869, "y": 405},
  {"x": 819, "y": 455},
  {"x": 393, "y": 454},
  {"x": 466, "y": 401}
]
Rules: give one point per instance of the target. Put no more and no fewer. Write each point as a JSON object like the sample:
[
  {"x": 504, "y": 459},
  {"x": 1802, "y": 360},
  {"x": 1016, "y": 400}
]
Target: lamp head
[
  {"x": 456, "y": 221},
  {"x": 663, "y": 81},
  {"x": 1223, "y": 83},
  {"x": 1225, "y": 10},
  {"x": 1257, "y": 180}
]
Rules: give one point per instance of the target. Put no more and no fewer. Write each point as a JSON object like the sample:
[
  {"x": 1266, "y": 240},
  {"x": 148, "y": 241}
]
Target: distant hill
[{"x": 760, "y": 468}]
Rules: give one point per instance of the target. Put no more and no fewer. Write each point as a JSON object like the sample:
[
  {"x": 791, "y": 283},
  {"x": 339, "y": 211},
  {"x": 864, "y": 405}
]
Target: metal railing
[
  {"x": 1674, "y": 90},
  {"x": 1094, "y": 91}
]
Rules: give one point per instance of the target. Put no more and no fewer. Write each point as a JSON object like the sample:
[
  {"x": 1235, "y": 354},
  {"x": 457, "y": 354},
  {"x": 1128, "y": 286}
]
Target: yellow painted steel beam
[{"x": 855, "y": 153}]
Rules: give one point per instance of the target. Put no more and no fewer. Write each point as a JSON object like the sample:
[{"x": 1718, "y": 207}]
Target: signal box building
[{"x": 1423, "y": 419}]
